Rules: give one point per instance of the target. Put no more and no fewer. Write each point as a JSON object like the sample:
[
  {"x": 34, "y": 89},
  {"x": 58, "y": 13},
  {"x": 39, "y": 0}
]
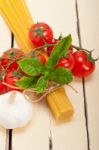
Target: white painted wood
[
  {"x": 5, "y": 40},
  {"x": 2, "y": 138},
  {"x": 5, "y": 36},
  {"x": 35, "y": 135},
  {"x": 71, "y": 135},
  {"x": 89, "y": 22},
  {"x": 60, "y": 15}
]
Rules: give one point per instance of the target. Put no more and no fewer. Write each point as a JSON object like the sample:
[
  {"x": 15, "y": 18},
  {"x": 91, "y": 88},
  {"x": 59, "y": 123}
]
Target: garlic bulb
[{"x": 15, "y": 110}]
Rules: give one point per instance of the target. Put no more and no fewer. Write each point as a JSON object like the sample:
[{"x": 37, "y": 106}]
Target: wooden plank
[
  {"x": 5, "y": 43},
  {"x": 5, "y": 36},
  {"x": 35, "y": 135},
  {"x": 89, "y": 24},
  {"x": 43, "y": 132},
  {"x": 2, "y": 138}
]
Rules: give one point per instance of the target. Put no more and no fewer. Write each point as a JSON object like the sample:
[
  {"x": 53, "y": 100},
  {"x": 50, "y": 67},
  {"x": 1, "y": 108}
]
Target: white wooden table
[{"x": 82, "y": 132}]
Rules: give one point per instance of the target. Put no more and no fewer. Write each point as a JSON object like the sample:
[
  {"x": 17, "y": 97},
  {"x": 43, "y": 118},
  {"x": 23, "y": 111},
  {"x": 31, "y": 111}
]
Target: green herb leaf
[
  {"x": 26, "y": 82},
  {"x": 58, "y": 51},
  {"x": 41, "y": 85},
  {"x": 62, "y": 75},
  {"x": 31, "y": 66}
]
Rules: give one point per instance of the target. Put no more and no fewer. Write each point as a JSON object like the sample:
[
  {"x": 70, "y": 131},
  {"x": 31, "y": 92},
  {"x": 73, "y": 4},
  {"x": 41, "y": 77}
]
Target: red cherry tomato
[
  {"x": 38, "y": 31},
  {"x": 66, "y": 62},
  {"x": 83, "y": 66},
  {"x": 42, "y": 58},
  {"x": 9, "y": 56},
  {"x": 11, "y": 79},
  {"x": 71, "y": 49},
  {"x": 2, "y": 88},
  {"x": 50, "y": 48}
]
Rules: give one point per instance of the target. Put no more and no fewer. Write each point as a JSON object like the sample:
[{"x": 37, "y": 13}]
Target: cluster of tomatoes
[
  {"x": 79, "y": 62},
  {"x": 9, "y": 72},
  {"x": 41, "y": 36}
]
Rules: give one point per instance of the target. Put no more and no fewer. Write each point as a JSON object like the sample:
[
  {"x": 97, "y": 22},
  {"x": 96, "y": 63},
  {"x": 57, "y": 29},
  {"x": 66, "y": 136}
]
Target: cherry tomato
[
  {"x": 9, "y": 57},
  {"x": 71, "y": 49},
  {"x": 42, "y": 58},
  {"x": 10, "y": 78},
  {"x": 66, "y": 62},
  {"x": 2, "y": 88},
  {"x": 38, "y": 31},
  {"x": 83, "y": 66},
  {"x": 50, "y": 48}
]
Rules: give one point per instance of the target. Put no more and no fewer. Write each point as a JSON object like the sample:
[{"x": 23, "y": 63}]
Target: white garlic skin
[{"x": 15, "y": 113}]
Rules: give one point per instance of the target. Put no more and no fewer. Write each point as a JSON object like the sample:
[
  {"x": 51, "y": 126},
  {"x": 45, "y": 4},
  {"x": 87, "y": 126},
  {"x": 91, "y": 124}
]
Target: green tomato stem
[{"x": 80, "y": 48}]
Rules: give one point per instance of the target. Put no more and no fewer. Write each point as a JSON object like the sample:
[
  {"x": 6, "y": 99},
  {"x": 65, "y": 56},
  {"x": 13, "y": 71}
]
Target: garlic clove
[{"x": 15, "y": 110}]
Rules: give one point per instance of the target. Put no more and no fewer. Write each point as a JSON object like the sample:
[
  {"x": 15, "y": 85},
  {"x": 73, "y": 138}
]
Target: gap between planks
[
  {"x": 8, "y": 145},
  {"x": 83, "y": 85},
  {"x": 83, "y": 80}
]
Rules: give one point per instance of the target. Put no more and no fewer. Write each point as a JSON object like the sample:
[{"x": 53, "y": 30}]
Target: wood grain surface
[{"x": 81, "y": 19}]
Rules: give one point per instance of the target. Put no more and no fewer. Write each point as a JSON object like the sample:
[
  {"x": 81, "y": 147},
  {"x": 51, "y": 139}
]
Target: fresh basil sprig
[
  {"x": 41, "y": 84},
  {"x": 62, "y": 75},
  {"x": 31, "y": 66},
  {"x": 39, "y": 75},
  {"x": 27, "y": 82}
]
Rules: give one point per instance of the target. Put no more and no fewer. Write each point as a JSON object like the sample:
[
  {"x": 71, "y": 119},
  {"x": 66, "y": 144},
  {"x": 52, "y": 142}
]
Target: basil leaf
[
  {"x": 58, "y": 51},
  {"x": 31, "y": 66},
  {"x": 41, "y": 85},
  {"x": 26, "y": 82},
  {"x": 62, "y": 75}
]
